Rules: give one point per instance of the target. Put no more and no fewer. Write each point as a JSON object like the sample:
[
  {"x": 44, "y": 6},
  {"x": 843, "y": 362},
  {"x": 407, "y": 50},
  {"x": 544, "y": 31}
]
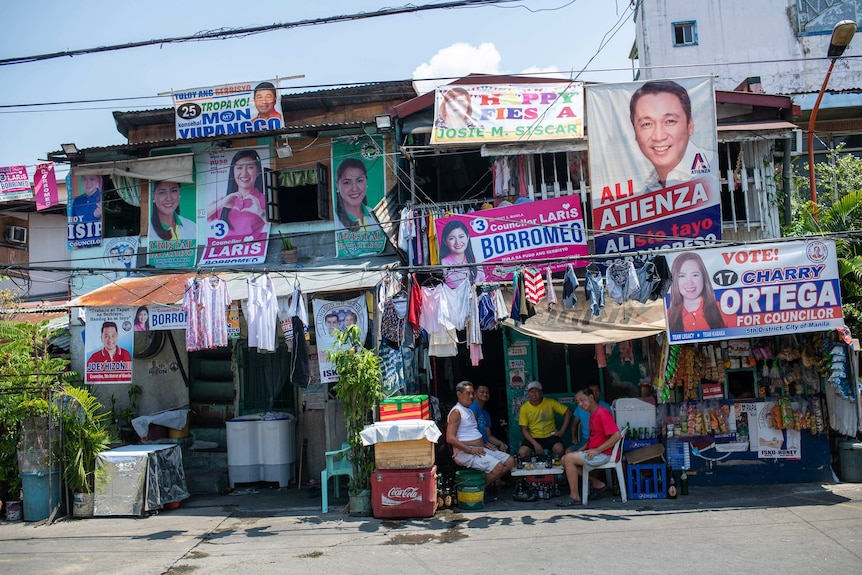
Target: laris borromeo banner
[
  {"x": 543, "y": 230},
  {"x": 14, "y": 183},
  {"x": 757, "y": 291},
  {"x": 508, "y": 113},
  {"x": 654, "y": 165}
]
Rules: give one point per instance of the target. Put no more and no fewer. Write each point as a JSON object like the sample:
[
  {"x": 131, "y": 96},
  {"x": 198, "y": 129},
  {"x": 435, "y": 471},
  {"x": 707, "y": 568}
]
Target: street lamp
[{"x": 842, "y": 34}]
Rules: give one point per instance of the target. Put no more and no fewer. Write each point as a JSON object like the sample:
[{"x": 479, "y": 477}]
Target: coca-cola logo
[{"x": 403, "y": 493}]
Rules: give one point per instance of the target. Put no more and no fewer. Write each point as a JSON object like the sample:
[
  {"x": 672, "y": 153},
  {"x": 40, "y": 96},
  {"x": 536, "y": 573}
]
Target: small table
[{"x": 539, "y": 474}]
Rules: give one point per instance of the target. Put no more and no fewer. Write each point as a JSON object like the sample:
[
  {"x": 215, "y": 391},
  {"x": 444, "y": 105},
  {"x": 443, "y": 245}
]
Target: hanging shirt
[
  {"x": 534, "y": 286},
  {"x": 261, "y": 313},
  {"x": 205, "y": 302}
]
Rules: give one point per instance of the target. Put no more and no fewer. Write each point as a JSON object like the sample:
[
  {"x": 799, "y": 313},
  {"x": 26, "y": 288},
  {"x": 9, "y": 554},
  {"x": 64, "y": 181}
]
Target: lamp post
[{"x": 842, "y": 34}]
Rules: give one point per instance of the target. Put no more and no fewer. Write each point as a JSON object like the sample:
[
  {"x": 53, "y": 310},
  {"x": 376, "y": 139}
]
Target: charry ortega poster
[
  {"x": 508, "y": 113},
  {"x": 550, "y": 229},
  {"x": 237, "y": 229},
  {"x": 109, "y": 339},
  {"x": 654, "y": 165},
  {"x": 757, "y": 291}
]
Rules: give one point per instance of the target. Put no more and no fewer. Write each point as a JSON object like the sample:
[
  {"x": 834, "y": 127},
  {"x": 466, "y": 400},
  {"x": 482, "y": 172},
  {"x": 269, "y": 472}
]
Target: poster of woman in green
[
  {"x": 172, "y": 235},
  {"x": 359, "y": 183}
]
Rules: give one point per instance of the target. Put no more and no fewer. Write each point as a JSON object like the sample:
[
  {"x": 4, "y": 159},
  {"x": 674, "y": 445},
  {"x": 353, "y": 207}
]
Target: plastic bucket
[
  {"x": 850, "y": 461},
  {"x": 13, "y": 510},
  {"x": 471, "y": 489},
  {"x": 82, "y": 505},
  {"x": 41, "y": 494}
]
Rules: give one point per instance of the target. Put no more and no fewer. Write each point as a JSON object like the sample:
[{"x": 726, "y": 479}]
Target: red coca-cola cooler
[{"x": 404, "y": 492}]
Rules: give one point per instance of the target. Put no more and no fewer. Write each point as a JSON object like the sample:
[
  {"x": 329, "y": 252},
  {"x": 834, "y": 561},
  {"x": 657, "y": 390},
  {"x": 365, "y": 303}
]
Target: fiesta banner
[
  {"x": 541, "y": 230},
  {"x": 358, "y": 185},
  {"x": 227, "y": 110},
  {"x": 508, "y": 113},
  {"x": 84, "y": 211},
  {"x": 738, "y": 291},
  {"x": 332, "y": 315},
  {"x": 108, "y": 341},
  {"x": 14, "y": 183},
  {"x": 654, "y": 165},
  {"x": 237, "y": 229},
  {"x": 172, "y": 236},
  {"x": 45, "y": 186}
]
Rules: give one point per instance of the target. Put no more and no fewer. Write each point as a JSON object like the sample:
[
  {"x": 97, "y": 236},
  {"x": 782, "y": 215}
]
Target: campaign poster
[
  {"x": 508, "y": 113},
  {"x": 329, "y": 316},
  {"x": 236, "y": 229},
  {"x": 45, "y": 186},
  {"x": 84, "y": 210},
  {"x": 172, "y": 235},
  {"x": 109, "y": 339},
  {"x": 499, "y": 238},
  {"x": 160, "y": 318},
  {"x": 654, "y": 165},
  {"x": 228, "y": 110},
  {"x": 119, "y": 254},
  {"x": 14, "y": 183},
  {"x": 773, "y": 442},
  {"x": 753, "y": 291},
  {"x": 358, "y": 185}
]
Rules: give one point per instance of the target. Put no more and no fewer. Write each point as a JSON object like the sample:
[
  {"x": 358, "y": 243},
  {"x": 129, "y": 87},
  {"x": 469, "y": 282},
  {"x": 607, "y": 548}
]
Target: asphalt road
[{"x": 785, "y": 529}]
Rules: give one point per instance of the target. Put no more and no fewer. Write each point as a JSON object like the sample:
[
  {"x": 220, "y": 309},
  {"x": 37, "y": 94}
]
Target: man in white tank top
[{"x": 462, "y": 433}]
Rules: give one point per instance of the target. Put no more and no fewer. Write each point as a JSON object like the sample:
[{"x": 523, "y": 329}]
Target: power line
[{"x": 224, "y": 33}]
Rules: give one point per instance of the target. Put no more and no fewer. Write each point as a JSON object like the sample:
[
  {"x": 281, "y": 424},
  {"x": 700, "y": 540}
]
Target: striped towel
[{"x": 534, "y": 285}]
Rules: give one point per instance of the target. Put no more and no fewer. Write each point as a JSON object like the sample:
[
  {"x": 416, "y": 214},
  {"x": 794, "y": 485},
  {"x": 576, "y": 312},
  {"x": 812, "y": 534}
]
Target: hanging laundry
[
  {"x": 414, "y": 306},
  {"x": 621, "y": 280},
  {"x": 474, "y": 332},
  {"x": 300, "y": 374},
  {"x": 534, "y": 286},
  {"x": 406, "y": 229},
  {"x": 648, "y": 280},
  {"x": 595, "y": 290},
  {"x": 626, "y": 352},
  {"x": 601, "y": 357},
  {"x": 663, "y": 271},
  {"x": 515, "y": 314},
  {"x": 487, "y": 312},
  {"x": 570, "y": 284},
  {"x": 552, "y": 294},
  {"x": 392, "y": 320},
  {"x": 205, "y": 302},
  {"x": 261, "y": 313},
  {"x": 500, "y": 304}
]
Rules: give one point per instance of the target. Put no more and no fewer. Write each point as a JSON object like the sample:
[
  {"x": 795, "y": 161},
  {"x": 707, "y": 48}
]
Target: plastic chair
[
  {"x": 336, "y": 464},
  {"x": 615, "y": 462}
]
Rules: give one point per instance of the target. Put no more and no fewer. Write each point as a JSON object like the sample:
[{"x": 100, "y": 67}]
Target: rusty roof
[{"x": 165, "y": 289}]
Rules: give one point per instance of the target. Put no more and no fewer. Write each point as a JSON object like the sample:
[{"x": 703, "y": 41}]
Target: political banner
[
  {"x": 119, "y": 254},
  {"x": 172, "y": 235},
  {"x": 753, "y": 291},
  {"x": 108, "y": 341},
  {"x": 227, "y": 110},
  {"x": 84, "y": 210},
  {"x": 14, "y": 183},
  {"x": 358, "y": 185},
  {"x": 550, "y": 229},
  {"x": 654, "y": 165},
  {"x": 508, "y": 113},
  {"x": 160, "y": 318},
  {"x": 45, "y": 186},
  {"x": 237, "y": 229},
  {"x": 332, "y": 315},
  {"x": 771, "y": 439}
]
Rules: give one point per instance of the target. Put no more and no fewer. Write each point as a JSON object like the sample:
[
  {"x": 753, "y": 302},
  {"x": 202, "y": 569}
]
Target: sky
[{"x": 521, "y": 37}]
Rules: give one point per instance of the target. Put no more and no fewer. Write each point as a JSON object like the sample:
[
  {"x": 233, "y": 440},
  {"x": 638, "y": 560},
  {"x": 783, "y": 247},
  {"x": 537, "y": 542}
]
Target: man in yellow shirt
[{"x": 538, "y": 424}]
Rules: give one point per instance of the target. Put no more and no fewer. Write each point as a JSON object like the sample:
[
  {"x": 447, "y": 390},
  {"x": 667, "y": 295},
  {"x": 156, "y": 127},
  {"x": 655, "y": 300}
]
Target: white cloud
[
  {"x": 455, "y": 61},
  {"x": 545, "y": 72}
]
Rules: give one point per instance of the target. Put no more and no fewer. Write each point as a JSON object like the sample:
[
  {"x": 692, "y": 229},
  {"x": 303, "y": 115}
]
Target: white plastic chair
[
  {"x": 615, "y": 462},
  {"x": 336, "y": 464}
]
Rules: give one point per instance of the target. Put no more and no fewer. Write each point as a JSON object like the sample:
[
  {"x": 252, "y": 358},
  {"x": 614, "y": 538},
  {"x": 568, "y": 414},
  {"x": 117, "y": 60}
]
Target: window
[
  {"x": 298, "y": 195},
  {"x": 685, "y": 33}
]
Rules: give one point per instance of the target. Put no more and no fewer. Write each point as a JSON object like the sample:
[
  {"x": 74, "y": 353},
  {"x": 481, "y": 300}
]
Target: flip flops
[
  {"x": 568, "y": 502},
  {"x": 596, "y": 493}
]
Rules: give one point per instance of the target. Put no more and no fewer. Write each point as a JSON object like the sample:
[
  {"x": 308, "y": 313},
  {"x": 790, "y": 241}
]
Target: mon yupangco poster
[
  {"x": 753, "y": 291},
  {"x": 227, "y": 110},
  {"x": 654, "y": 164},
  {"x": 550, "y": 229},
  {"x": 508, "y": 113},
  {"x": 108, "y": 342}
]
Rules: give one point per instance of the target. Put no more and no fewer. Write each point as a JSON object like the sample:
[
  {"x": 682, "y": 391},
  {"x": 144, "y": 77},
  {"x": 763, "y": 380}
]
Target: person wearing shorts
[
  {"x": 604, "y": 433},
  {"x": 462, "y": 433},
  {"x": 539, "y": 425}
]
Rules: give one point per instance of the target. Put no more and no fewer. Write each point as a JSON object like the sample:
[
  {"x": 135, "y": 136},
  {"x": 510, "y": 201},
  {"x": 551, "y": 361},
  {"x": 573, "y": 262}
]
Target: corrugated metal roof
[{"x": 165, "y": 289}]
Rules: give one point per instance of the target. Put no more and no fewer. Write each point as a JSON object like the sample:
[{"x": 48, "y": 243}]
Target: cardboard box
[
  {"x": 404, "y": 493},
  {"x": 411, "y": 454},
  {"x": 405, "y": 407}
]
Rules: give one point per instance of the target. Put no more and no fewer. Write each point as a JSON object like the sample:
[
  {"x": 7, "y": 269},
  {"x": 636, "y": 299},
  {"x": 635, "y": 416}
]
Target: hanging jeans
[{"x": 594, "y": 287}]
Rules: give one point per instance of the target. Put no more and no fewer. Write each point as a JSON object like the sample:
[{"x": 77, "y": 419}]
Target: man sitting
[
  {"x": 538, "y": 425},
  {"x": 462, "y": 433},
  {"x": 604, "y": 433}
]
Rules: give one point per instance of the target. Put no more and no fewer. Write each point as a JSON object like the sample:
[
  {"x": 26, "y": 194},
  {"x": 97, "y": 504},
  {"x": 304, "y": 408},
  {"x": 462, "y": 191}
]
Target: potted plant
[
  {"x": 359, "y": 390},
  {"x": 86, "y": 433},
  {"x": 288, "y": 251}
]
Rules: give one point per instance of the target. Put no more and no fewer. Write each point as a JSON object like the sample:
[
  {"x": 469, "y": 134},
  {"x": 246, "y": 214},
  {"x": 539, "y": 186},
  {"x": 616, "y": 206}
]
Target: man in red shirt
[
  {"x": 604, "y": 433},
  {"x": 104, "y": 359}
]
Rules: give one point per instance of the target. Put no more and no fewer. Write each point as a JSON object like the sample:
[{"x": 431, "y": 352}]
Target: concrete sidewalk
[{"x": 765, "y": 529}]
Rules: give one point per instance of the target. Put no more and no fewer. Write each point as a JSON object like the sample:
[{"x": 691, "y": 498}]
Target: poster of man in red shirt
[{"x": 108, "y": 338}]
